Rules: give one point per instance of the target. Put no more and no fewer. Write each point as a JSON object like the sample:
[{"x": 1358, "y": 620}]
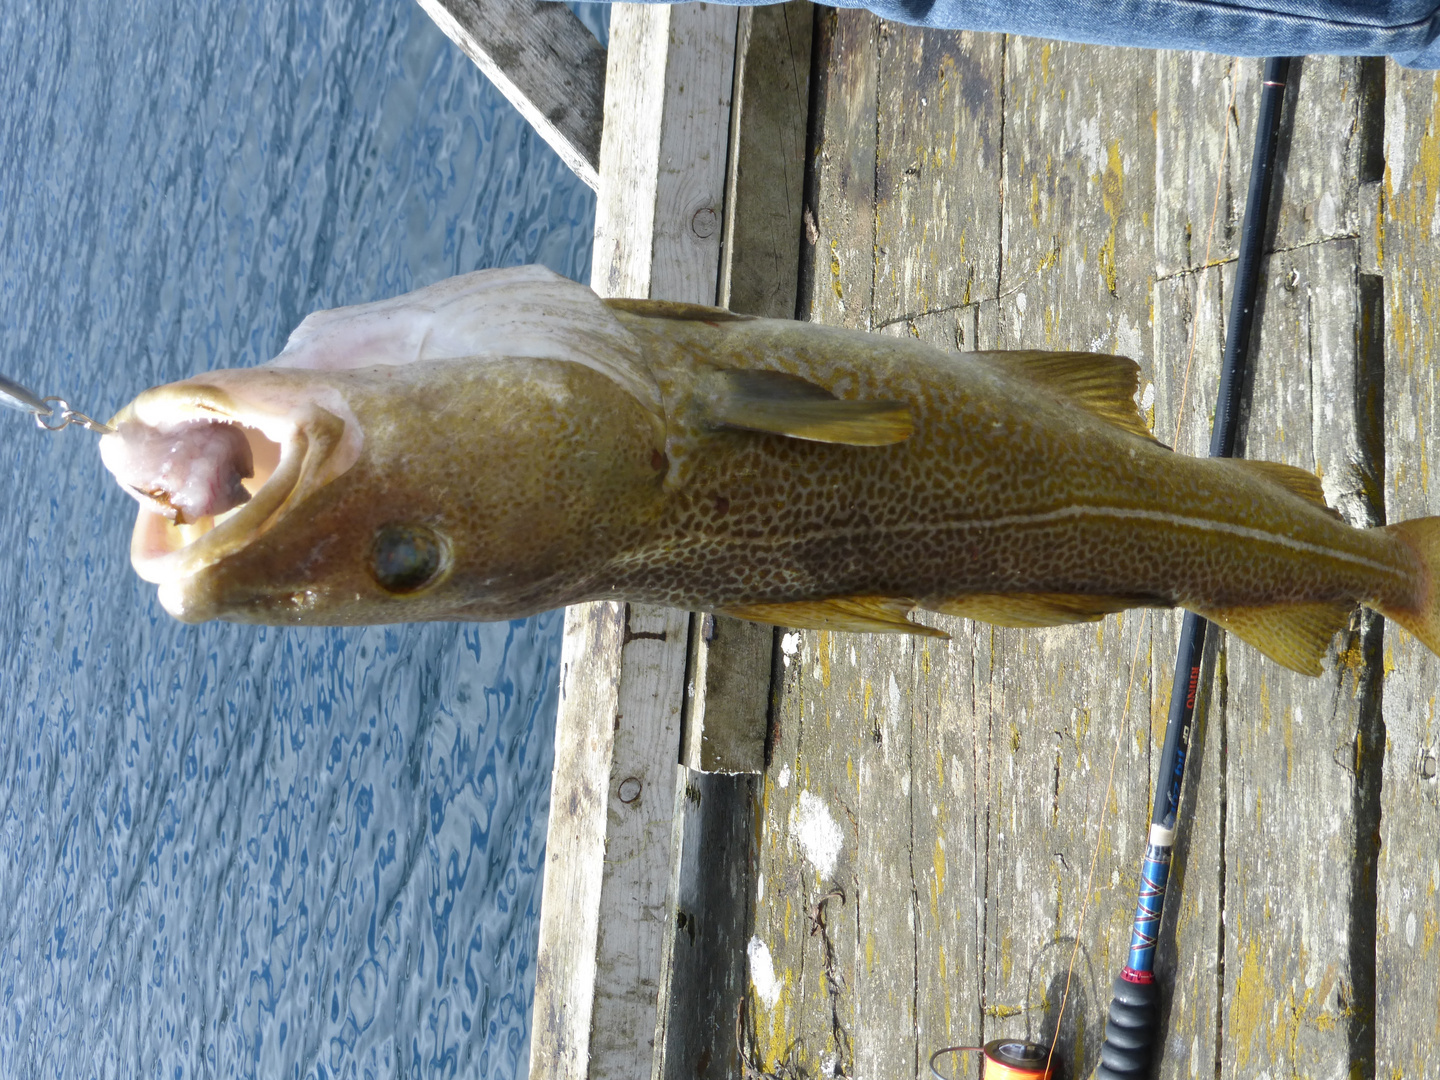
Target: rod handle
[{"x": 1130, "y": 1032}]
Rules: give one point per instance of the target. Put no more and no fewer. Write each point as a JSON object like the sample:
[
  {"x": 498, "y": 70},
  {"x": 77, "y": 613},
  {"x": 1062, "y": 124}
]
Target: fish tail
[{"x": 1421, "y": 535}]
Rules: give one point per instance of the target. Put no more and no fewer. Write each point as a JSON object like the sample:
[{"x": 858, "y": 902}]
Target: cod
[{"x": 506, "y": 442}]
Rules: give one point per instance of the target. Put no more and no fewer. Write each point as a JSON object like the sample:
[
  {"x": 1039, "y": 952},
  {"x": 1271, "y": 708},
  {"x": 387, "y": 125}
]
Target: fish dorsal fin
[
  {"x": 1295, "y": 635},
  {"x": 1099, "y": 383},
  {"x": 856, "y": 614},
  {"x": 516, "y": 311},
  {"x": 781, "y": 404},
  {"x": 673, "y": 309},
  {"x": 1294, "y": 480},
  {"x": 1039, "y": 609}
]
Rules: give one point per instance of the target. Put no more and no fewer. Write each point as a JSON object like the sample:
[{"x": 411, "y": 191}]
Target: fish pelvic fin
[
  {"x": 1422, "y": 535},
  {"x": 856, "y": 614},
  {"x": 1294, "y": 635},
  {"x": 1025, "y": 610},
  {"x": 1296, "y": 481},
  {"x": 1101, "y": 384},
  {"x": 780, "y": 404}
]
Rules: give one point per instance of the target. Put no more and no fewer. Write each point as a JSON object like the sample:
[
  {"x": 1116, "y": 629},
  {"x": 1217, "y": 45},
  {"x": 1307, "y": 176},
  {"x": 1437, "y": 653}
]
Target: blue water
[{"x": 235, "y": 851}]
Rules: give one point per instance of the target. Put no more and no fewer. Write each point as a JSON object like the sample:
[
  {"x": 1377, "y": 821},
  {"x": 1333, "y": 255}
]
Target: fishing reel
[{"x": 1005, "y": 1059}]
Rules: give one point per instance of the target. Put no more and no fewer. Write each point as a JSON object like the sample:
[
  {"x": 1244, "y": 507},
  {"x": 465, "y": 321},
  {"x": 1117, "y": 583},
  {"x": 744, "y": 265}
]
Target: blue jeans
[{"x": 1408, "y": 30}]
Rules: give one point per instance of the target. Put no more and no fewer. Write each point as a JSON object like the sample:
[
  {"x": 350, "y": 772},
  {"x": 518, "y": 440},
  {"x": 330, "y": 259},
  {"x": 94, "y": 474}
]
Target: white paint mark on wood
[
  {"x": 762, "y": 973},
  {"x": 817, "y": 833},
  {"x": 789, "y": 646}
]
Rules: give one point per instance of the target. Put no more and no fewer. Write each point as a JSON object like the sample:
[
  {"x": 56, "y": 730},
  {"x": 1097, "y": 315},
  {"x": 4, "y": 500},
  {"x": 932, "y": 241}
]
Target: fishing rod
[{"x": 1133, "y": 1017}]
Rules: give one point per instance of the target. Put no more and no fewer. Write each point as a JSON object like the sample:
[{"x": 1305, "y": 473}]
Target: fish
[{"x": 506, "y": 442}]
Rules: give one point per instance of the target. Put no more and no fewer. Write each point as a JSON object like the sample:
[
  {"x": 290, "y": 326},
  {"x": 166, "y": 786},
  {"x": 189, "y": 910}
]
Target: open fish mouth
[{"x": 216, "y": 461}]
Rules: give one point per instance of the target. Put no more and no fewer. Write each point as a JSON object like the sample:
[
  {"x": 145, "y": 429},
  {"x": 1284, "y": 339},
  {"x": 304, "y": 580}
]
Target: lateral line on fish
[
  {"x": 1062, "y": 513},
  {"x": 1197, "y": 524}
]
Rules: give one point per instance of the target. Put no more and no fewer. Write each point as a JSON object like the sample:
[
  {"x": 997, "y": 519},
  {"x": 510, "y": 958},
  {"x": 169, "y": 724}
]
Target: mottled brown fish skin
[
  {"x": 1002, "y": 488},
  {"x": 1023, "y": 494}
]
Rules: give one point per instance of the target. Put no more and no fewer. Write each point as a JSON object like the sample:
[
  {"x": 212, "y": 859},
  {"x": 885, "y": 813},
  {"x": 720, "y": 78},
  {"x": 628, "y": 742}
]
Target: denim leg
[{"x": 1408, "y": 30}]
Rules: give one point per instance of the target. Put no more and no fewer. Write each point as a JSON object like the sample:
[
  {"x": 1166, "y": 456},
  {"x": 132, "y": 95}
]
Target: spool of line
[{"x": 1005, "y": 1059}]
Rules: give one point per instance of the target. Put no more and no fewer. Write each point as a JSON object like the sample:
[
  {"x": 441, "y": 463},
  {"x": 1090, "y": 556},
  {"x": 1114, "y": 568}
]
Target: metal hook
[
  {"x": 15, "y": 396},
  {"x": 69, "y": 416}
]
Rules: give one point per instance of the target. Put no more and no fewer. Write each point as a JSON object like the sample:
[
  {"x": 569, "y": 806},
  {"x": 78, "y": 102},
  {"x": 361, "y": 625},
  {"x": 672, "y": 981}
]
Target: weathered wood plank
[
  {"x": 663, "y": 149},
  {"x": 541, "y": 57},
  {"x": 1079, "y": 188},
  {"x": 838, "y": 286},
  {"x": 1297, "y": 980},
  {"x": 1076, "y": 271},
  {"x": 766, "y": 185},
  {"x": 950, "y": 809},
  {"x": 1205, "y": 117},
  {"x": 1321, "y": 158},
  {"x": 759, "y": 268},
  {"x": 1408, "y": 917},
  {"x": 1189, "y": 334},
  {"x": 886, "y": 973},
  {"x": 804, "y": 953},
  {"x": 662, "y": 182},
  {"x": 729, "y": 696},
  {"x": 633, "y": 919},
  {"x": 710, "y": 895},
  {"x": 565, "y": 966},
  {"x": 938, "y": 176},
  {"x": 803, "y": 956},
  {"x": 607, "y": 856}
]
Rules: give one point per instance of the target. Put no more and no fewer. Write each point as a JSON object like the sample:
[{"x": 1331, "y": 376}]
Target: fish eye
[{"x": 404, "y": 558}]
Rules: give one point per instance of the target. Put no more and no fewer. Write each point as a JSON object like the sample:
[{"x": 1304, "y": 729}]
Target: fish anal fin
[
  {"x": 673, "y": 309},
  {"x": 855, "y": 614},
  {"x": 1039, "y": 609},
  {"x": 1295, "y": 480},
  {"x": 776, "y": 403},
  {"x": 1295, "y": 635},
  {"x": 1101, "y": 384}
]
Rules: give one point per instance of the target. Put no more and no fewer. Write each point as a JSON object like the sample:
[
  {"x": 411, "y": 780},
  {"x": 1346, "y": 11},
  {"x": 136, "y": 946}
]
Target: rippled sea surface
[{"x": 237, "y": 851}]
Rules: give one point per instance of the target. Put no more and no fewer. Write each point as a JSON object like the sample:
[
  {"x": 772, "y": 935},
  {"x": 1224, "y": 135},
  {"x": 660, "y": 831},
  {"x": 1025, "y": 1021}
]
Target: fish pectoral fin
[
  {"x": 1295, "y": 635},
  {"x": 1039, "y": 609},
  {"x": 1294, "y": 480},
  {"x": 673, "y": 309},
  {"x": 855, "y": 614},
  {"x": 1101, "y": 384},
  {"x": 780, "y": 404}
]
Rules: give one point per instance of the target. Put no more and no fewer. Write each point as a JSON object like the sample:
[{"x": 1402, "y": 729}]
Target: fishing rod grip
[{"x": 1130, "y": 1032}]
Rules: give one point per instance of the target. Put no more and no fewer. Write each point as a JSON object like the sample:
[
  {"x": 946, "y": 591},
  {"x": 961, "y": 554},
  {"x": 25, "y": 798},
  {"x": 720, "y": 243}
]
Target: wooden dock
[
  {"x": 937, "y": 831},
  {"x": 936, "y": 816}
]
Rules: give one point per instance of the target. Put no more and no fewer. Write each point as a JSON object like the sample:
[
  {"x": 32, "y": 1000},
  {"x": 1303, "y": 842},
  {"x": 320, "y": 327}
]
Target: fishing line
[
  {"x": 1140, "y": 637},
  {"x": 1130, "y": 1033},
  {"x": 1145, "y": 616}
]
